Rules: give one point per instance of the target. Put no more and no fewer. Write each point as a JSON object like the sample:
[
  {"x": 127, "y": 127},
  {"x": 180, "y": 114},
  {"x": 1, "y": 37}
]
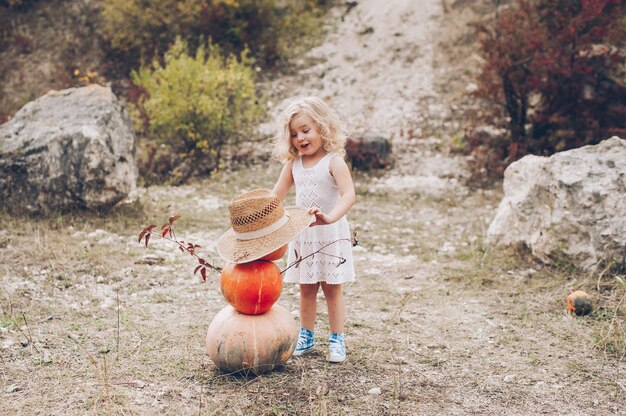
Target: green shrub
[
  {"x": 193, "y": 107},
  {"x": 139, "y": 29}
]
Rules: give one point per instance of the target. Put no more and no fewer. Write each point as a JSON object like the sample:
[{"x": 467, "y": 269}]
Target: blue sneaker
[
  {"x": 337, "y": 348},
  {"x": 306, "y": 342}
]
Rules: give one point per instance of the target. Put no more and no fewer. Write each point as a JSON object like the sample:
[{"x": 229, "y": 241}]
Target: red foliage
[
  {"x": 508, "y": 77},
  {"x": 551, "y": 68},
  {"x": 167, "y": 232}
]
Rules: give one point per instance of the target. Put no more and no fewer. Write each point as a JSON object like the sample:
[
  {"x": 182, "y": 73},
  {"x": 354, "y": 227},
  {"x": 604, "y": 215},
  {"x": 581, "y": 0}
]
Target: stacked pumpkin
[{"x": 252, "y": 334}]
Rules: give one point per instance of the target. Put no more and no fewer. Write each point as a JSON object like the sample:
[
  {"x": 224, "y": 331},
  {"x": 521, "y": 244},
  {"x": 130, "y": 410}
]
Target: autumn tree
[{"x": 552, "y": 69}]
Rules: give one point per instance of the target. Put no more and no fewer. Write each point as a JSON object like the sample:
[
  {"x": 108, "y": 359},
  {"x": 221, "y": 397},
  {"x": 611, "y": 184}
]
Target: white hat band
[{"x": 262, "y": 232}]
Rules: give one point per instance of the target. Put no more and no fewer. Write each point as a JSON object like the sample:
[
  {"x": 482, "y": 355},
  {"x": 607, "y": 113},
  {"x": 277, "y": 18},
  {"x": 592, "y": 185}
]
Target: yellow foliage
[{"x": 197, "y": 105}]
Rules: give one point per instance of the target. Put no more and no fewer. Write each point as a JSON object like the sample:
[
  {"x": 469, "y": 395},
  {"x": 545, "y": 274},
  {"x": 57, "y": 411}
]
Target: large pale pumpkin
[
  {"x": 253, "y": 287},
  {"x": 256, "y": 343}
]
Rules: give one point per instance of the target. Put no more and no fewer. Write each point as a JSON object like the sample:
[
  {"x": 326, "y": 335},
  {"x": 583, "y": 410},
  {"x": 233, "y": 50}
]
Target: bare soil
[{"x": 92, "y": 322}]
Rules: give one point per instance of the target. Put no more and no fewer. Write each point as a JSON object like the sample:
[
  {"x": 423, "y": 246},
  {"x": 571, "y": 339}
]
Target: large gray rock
[
  {"x": 68, "y": 150},
  {"x": 571, "y": 204}
]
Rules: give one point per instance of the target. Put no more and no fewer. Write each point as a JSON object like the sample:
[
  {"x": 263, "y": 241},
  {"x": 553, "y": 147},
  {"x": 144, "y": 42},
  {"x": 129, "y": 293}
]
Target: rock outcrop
[
  {"x": 68, "y": 150},
  {"x": 369, "y": 152},
  {"x": 571, "y": 205}
]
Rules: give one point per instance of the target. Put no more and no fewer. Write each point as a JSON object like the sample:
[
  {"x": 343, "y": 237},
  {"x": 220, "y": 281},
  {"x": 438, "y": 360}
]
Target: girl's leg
[
  {"x": 336, "y": 307},
  {"x": 308, "y": 305}
]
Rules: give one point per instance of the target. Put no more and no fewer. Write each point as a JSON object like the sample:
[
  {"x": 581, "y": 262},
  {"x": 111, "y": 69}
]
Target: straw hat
[{"x": 260, "y": 225}]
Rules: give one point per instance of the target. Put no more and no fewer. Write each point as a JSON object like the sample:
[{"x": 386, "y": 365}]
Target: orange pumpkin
[
  {"x": 251, "y": 288},
  {"x": 239, "y": 342},
  {"x": 276, "y": 254},
  {"x": 579, "y": 302}
]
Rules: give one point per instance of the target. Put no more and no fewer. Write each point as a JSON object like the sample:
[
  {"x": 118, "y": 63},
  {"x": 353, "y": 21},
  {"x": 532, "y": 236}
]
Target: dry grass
[
  {"x": 87, "y": 329},
  {"x": 437, "y": 321}
]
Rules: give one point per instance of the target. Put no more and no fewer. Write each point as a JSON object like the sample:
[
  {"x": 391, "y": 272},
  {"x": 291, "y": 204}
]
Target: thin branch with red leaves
[{"x": 167, "y": 233}]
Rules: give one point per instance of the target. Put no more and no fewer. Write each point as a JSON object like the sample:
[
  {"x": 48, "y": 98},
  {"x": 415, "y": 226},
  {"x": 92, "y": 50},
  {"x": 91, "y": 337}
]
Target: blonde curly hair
[{"x": 325, "y": 118}]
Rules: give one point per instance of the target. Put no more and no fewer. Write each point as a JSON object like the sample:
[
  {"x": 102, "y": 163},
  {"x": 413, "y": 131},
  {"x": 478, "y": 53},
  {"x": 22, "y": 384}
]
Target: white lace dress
[{"x": 315, "y": 187}]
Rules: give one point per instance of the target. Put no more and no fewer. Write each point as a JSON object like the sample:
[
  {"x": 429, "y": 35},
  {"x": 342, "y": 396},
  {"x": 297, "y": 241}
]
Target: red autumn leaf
[
  {"x": 183, "y": 246},
  {"x": 145, "y": 231}
]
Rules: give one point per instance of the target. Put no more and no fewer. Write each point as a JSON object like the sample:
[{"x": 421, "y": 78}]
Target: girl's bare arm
[{"x": 285, "y": 181}]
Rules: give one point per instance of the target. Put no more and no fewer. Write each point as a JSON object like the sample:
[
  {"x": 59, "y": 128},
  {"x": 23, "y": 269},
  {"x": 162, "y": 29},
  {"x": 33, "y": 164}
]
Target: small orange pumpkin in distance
[
  {"x": 251, "y": 288},
  {"x": 257, "y": 343},
  {"x": 579, "y": 302},
  {"x": 276, "y": 254}
]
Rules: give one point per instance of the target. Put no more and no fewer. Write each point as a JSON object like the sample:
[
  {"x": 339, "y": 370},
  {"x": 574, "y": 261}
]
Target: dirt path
[
  {"x": 93, "y": 323},
  {"x": 375, "y": 66},
  {"x": 469, "y": 339},
  {"x": 429, "y": 326}
]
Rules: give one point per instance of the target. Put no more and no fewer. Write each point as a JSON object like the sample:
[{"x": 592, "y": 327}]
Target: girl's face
[{"x": 305, "y": 136}]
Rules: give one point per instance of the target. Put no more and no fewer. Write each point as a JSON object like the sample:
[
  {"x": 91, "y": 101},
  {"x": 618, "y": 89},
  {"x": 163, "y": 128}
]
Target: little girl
[{"x": 311, "y": 143}]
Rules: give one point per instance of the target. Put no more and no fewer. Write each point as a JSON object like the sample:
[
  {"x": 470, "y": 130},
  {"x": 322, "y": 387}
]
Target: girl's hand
[
  {"x": 340, "y": 171},
  {"x": 320, "y": 217}
]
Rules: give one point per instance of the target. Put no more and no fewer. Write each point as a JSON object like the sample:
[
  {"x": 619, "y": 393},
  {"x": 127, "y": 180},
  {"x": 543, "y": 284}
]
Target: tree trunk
[{"x": 517, "y": 108}]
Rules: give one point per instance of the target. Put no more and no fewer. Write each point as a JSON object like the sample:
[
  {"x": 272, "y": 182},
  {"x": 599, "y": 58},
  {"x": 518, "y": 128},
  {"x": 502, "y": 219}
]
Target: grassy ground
[{"x": 91, "y": 322}]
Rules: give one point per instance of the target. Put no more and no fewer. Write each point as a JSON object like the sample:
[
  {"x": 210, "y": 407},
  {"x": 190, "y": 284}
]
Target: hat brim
[{"x": 237, "y": 251}]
